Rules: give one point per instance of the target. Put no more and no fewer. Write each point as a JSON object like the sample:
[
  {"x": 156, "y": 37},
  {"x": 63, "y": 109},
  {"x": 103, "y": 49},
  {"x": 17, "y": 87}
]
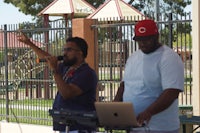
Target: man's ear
[{"x": 81, "y": 52}]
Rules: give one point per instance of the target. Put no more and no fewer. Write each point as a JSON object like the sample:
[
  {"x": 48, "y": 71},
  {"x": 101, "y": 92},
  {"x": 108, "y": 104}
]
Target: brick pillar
[{"x": 81, "y": 27}]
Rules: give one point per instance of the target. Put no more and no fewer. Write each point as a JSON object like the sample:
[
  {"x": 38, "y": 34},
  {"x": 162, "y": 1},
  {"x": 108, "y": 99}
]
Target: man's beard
[{"x": 70, "y": 62}]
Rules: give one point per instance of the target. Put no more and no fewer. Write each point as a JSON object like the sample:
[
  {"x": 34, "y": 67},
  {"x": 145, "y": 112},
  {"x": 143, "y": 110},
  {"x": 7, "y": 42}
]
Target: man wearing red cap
[{"x": 153, "y": 79}]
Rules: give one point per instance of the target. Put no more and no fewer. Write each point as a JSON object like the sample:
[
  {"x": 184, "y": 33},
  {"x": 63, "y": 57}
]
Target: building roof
[
  {"x": 79, "y": 8},
  {"x": 116, "y": 9}
]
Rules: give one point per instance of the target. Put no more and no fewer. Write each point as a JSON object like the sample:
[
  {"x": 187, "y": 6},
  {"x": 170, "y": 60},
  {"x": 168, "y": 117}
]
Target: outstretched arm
[
  {"x": 24, "y": 39},
  {"x": 72, "y": 90}
]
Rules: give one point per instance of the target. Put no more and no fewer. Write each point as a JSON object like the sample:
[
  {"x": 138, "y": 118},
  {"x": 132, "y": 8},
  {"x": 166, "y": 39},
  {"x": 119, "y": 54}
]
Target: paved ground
[{"x": 24, "y": 128}]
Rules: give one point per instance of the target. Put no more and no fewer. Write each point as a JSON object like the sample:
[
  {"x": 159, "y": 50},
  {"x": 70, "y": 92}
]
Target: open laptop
[{"x": 119, "y": 115}]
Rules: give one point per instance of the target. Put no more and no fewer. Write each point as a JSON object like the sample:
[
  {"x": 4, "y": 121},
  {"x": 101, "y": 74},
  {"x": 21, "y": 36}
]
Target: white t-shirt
[{"x": 147, "y": 76}]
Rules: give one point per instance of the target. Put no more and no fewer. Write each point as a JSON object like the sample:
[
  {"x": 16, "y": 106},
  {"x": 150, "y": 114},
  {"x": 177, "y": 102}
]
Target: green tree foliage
[
  {"x": 175, "y": 6},
  {"x": 29, "y": 7},
  {"x": 165, "y": 6},
  {"x": 95, "y": 3}
]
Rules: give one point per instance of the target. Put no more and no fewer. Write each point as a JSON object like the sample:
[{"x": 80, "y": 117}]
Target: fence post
[
  {"x": 170, "y": 31},
  {"x": 46, "y": 69},
  {"x": 6, "y": 71}
]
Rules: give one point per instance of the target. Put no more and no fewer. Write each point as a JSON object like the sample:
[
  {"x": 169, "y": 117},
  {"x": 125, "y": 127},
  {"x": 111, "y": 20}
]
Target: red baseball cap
[{"x": 144, "y": 29}]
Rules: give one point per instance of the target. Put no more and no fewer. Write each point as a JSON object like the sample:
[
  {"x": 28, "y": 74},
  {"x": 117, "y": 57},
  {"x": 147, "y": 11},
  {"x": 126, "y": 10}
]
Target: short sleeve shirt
[
  {"x": 86, "y": 79},
  {"x": 147, "y": 76}
]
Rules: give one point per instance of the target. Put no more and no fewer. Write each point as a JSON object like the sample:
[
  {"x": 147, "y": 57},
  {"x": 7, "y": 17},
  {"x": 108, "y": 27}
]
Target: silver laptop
[{"x": 116, "y": 114}]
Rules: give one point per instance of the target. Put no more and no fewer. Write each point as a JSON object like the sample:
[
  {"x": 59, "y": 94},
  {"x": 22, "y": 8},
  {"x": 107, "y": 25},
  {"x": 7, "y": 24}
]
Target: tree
[
  {"x": 95, "y": 3},
  {"x": 29, "y": 7},
  {"x": 176, "y": 6},
  {"x": 165, "y": 6}
]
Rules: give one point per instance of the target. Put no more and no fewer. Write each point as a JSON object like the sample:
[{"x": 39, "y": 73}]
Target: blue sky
[{"x": 9, "y": 14}]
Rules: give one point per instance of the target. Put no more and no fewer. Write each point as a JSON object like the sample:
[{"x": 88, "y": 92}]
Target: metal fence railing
[
  {"x": 27, "y": 88},
  {"x": 116, "y": 45}
]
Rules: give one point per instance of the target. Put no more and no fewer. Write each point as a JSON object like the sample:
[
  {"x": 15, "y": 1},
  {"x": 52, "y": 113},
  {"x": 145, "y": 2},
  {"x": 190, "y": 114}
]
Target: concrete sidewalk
[{"x": 6, "y": 127}]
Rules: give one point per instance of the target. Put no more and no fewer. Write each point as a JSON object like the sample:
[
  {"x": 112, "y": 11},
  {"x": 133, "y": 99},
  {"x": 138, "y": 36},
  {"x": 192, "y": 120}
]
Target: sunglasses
[{"x": 70, "y": 49}]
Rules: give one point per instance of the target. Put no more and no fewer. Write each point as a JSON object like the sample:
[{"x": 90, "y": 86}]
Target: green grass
[
  {"x": 33, "y": 102},
  {"x": 30, "y": 111},
  {"x": 23, "y": 115}
]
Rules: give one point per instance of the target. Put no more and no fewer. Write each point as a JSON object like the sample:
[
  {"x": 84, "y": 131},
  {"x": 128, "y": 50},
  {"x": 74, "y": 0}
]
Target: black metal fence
[{"x": 27, "y": 88}]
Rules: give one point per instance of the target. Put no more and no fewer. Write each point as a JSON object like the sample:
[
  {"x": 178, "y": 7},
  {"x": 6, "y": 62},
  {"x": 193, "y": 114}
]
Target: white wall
[{"x": 196, "y": 56}]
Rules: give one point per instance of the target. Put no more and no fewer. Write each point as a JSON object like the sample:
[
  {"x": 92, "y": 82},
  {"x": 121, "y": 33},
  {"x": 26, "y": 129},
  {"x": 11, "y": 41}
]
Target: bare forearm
[
  {"x": 40, "y": 53},
  {"x": 162, "y": 103},
  {"x": 66, "y": 90},
  {"x": 24, "y": 39}
]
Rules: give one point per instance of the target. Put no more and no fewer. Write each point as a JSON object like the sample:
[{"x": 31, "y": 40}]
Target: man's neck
[{"x": 78, "y": 64}]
